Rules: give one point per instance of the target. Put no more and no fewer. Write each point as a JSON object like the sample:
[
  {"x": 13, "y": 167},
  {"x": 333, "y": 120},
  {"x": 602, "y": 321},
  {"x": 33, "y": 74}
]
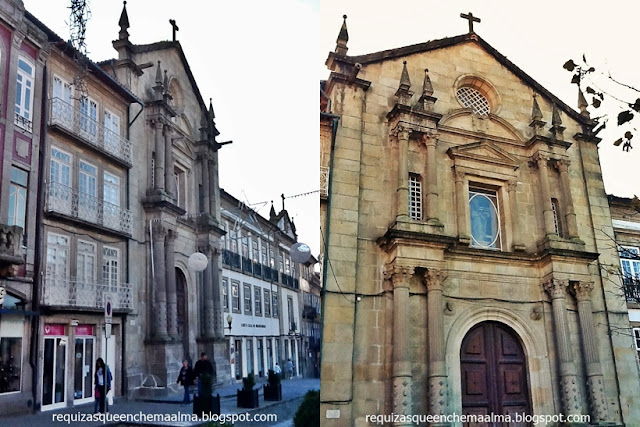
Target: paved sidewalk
[{"x": 292, "y": 393}]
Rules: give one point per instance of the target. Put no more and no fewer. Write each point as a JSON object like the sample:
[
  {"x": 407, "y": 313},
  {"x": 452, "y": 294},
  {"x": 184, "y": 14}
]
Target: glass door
[
  {"x": 238, "y": 359},
  {"x": 83, "y": 377},
  {"x": 53, "y": 373}
]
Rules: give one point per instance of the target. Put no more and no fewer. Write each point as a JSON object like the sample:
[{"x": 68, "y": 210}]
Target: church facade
[{"x": 465, "y": 221}]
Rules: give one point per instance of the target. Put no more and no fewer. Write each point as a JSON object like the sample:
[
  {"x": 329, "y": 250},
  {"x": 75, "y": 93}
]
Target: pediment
[{"x": 483, "y": 152}]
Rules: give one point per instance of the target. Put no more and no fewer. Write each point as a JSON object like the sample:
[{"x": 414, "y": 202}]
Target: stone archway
[{"x": 493, "y": 371}]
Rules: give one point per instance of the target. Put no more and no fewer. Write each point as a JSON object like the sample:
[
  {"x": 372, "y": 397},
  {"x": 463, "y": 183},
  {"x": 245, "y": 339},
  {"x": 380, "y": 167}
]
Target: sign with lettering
[
  {"x": 84, "y": 330},
  {"x": 252, "y": 325},
  {"x": 53, "y": 329}
]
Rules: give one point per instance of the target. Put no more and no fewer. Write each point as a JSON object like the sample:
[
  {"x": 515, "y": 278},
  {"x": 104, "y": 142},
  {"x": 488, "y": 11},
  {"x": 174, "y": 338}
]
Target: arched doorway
[
  {"x": 183, "y": 309},
  {"x": 493, "y": 371}
]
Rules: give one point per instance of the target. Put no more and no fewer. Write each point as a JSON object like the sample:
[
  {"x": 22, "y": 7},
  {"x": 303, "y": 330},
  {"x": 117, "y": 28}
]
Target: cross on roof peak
[{"x": 471, "y": 20}]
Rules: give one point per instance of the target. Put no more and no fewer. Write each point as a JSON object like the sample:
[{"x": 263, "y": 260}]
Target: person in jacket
[
  {"x": 202, "y": 367},
  {"x": 185, "y": 378},
  {"x": 100, "y": 380}
]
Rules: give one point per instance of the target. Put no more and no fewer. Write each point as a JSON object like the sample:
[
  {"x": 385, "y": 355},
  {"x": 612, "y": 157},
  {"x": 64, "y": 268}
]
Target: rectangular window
[
  {"x": 57, "y": 255},
  {"x": 281, "y": 268},
  {"x": 485, "y": 218},
  {"x": 245, "y": 245},
  {"x": 24, "y": 95},
  {"x": 415, "y": 197},
  {"x": 225, "y": 293},
  {"x": 89, "y": 118},
  {"x": 255, "y": 250},
  {"x": 86, "y": 262},
  {"x": 111, "y": 132},
  {"x": 556, "y": 219},
  {"x": 110, "y": 266},
  {"x": 179, "y": 176},
  {"x": 263, "y": 246},
  {"x": 636, "y": 340},
  {"x": 247, "y": 298},
  {"x": 87, "y": 202},
  {"x": 267, "y": 303},
  {"x": 287, "y": 265},
  {"x": 630, "y": 259},
  {"x": 292, "y": 323},
  {"x": 257, "y": 296},
  {"x": 61, "y": 109},
  {"x": 111, "y": 196},
  {"x": 274, "y": 303},
  {"x": 18, "y": 197},
  {"x": 235, "y": 296}
]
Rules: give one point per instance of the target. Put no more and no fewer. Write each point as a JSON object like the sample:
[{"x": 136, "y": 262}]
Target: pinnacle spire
[
  {"x": 212, "y": 115},
  {"x": 403, "y": 93},
  {"x": 582, "y": 104},
  {"x": 427, "y": 99},
  {"x": 343, "y": 38},
  {"x": 536, "y": 113},
  {"x": 124, "y": 23},
  {"x": 556, "y": 120},
  {"x": 158, "y": 75},
  {"x": 556, "y": 124}
]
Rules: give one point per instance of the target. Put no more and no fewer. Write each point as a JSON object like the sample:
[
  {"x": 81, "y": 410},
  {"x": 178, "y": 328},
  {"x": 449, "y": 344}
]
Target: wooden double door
[{"x": 494, "y": 372}]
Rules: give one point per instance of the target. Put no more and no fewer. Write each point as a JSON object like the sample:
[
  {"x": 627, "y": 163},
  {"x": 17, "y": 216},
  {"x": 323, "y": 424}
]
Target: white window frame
[
  {"x": 630, "y": 267},
  {"x": 18, "y": 198},
  {"x": 247, "y": 297},
  {"x": 86, "y": 251},
  {"x": 235, "y": 296},
  {"x": 111, "y": 132},
  {"x": 267, "y": 302},
  {"x": 415, "y": 197},
  {"x": 636, "y": 341},
  {"x": 257, "y": 299},
  {"x": 55, "y": 248},
  {"x": 57, "y": 157},
  {"x": 111, "y": 266},
  {"x": 225, "y": 294},
  {"x": 478, "y": 191},
  {"x": 89, "y": 117},
  {"x": 25, "y": 86}
]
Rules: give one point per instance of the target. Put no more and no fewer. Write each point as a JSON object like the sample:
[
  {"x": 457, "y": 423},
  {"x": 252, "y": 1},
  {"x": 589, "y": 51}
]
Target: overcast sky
[
  {"x": 258, "y": 61},
  {"x": 537, "y": 36}
]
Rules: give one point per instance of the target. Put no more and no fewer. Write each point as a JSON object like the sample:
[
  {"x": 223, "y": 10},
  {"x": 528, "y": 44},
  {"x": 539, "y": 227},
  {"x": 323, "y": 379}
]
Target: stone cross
[
  {"x": 471, "y": 19},
  {"x": 175, "y": 28}
]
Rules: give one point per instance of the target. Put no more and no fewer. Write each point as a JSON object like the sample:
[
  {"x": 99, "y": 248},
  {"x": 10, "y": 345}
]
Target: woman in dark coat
[
  {"x": 185, "y": 378},
  {"x": 99, "y": 377}
]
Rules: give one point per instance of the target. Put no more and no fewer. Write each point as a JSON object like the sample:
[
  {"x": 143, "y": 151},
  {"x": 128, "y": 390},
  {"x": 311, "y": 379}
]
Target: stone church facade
[{"x": 466, "y": 223}]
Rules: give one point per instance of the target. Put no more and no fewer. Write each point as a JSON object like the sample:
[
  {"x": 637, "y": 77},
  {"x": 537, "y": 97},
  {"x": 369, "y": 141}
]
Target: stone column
[
  {"x": 432, "y": 177},
  {"x": 571, "y": 399},
  {"x": 595, "y": 381},
  {"x": 570, "y": 214},
  {"x": 462, "y": 200},
  {"x": 541, "y": 160},
  {"x": 207, "y": 295},
  {"x": 403, "y": 174},
  {"x": 435, "y": 327},
  {"x": 159, "y": 312},
  {"x": 169, "y": 181},
  {"x": 160, "y": 152},
  {"x": 216, "y": 294},
  {"x": 172, "y": 298},
  {"x": 402, "y": 381},
  {"x": 205, "y": 183},
  {"x": 515, "y": 218}
]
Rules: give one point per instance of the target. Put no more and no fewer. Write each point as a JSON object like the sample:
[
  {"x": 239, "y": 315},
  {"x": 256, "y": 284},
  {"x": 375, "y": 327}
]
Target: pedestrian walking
[
  {"x": 100, "y": 392},
  {"x": 202, "y": 367},
  {"x": 185, "y": 378},
  {"x": 277, "y": 370},
  {"x": 289, "y": 366}
]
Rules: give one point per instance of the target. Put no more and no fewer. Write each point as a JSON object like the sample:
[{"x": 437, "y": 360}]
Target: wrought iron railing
[
  {"x": 71, "y": 202},
  {"x": 247, "y": 265},
  {"x": 22, "y": 122},
  {"x": 631, "y": 289},
  {"x": 71, "y": 292},
  {"x": 91, "y": 131},
  {"x": 230, "y": 258},
  {"x": 324, "y": 181}
]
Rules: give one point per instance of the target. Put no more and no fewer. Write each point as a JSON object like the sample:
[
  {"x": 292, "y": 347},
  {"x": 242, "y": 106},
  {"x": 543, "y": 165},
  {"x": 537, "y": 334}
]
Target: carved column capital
[
  {"x": 556, "y": 288},
  {"x": 433, "y": 279},
  {"x": 401, "y": 132},
  {"x": 563, "y": 165},
  {"x": 582, "y": 290},
  {"x": 159, "y": 231},
  {"x": 541, "y": 159},
  {"x": 429, "y": 137},
  {"x": 401, "y": 276}
]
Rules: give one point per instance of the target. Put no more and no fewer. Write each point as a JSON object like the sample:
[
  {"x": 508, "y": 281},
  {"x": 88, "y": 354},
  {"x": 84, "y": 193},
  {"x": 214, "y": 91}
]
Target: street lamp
[{"x": 229, "y": 320}]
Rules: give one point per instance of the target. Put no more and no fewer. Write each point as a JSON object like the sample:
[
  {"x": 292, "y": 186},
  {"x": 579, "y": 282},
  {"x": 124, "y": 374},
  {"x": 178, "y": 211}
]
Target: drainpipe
[
  {"x": 37, "y": 261},
  {"x": 325, "y": 261}
]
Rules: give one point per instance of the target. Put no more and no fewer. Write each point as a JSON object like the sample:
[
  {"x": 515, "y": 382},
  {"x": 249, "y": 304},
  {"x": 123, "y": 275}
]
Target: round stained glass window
[
  {"x": 472, "y": 98},
  {"x": 485, "y": 222}
]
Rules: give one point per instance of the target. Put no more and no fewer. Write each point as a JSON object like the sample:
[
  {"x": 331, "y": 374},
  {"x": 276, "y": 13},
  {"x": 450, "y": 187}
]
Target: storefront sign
[
  {"x": 84, "y": 330},
  {"x": 53, "y": 329},
  {"x": 252, "y": 325}
]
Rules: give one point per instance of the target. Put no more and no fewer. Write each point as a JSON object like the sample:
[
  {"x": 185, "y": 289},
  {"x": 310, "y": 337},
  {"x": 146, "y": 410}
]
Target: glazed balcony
[
  {"x": 71, "y": 203},
  {"x": 75, "y": 122},
  {"x": 68, "y": 292}
]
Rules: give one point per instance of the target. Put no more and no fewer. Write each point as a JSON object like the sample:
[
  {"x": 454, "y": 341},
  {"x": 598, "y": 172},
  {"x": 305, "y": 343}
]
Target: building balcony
[
  {"x": 309, "y": 312},
  {"x": 10, "y": 246},
  {"x": 71, "y": 203},
  {"x": 80, "y": 125},
  {"x": 68, "y": 292},
  {"x": 22, "y": 122},
  {"x": 631, "y": 289},
  {"x": 324, "y": 181}
]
